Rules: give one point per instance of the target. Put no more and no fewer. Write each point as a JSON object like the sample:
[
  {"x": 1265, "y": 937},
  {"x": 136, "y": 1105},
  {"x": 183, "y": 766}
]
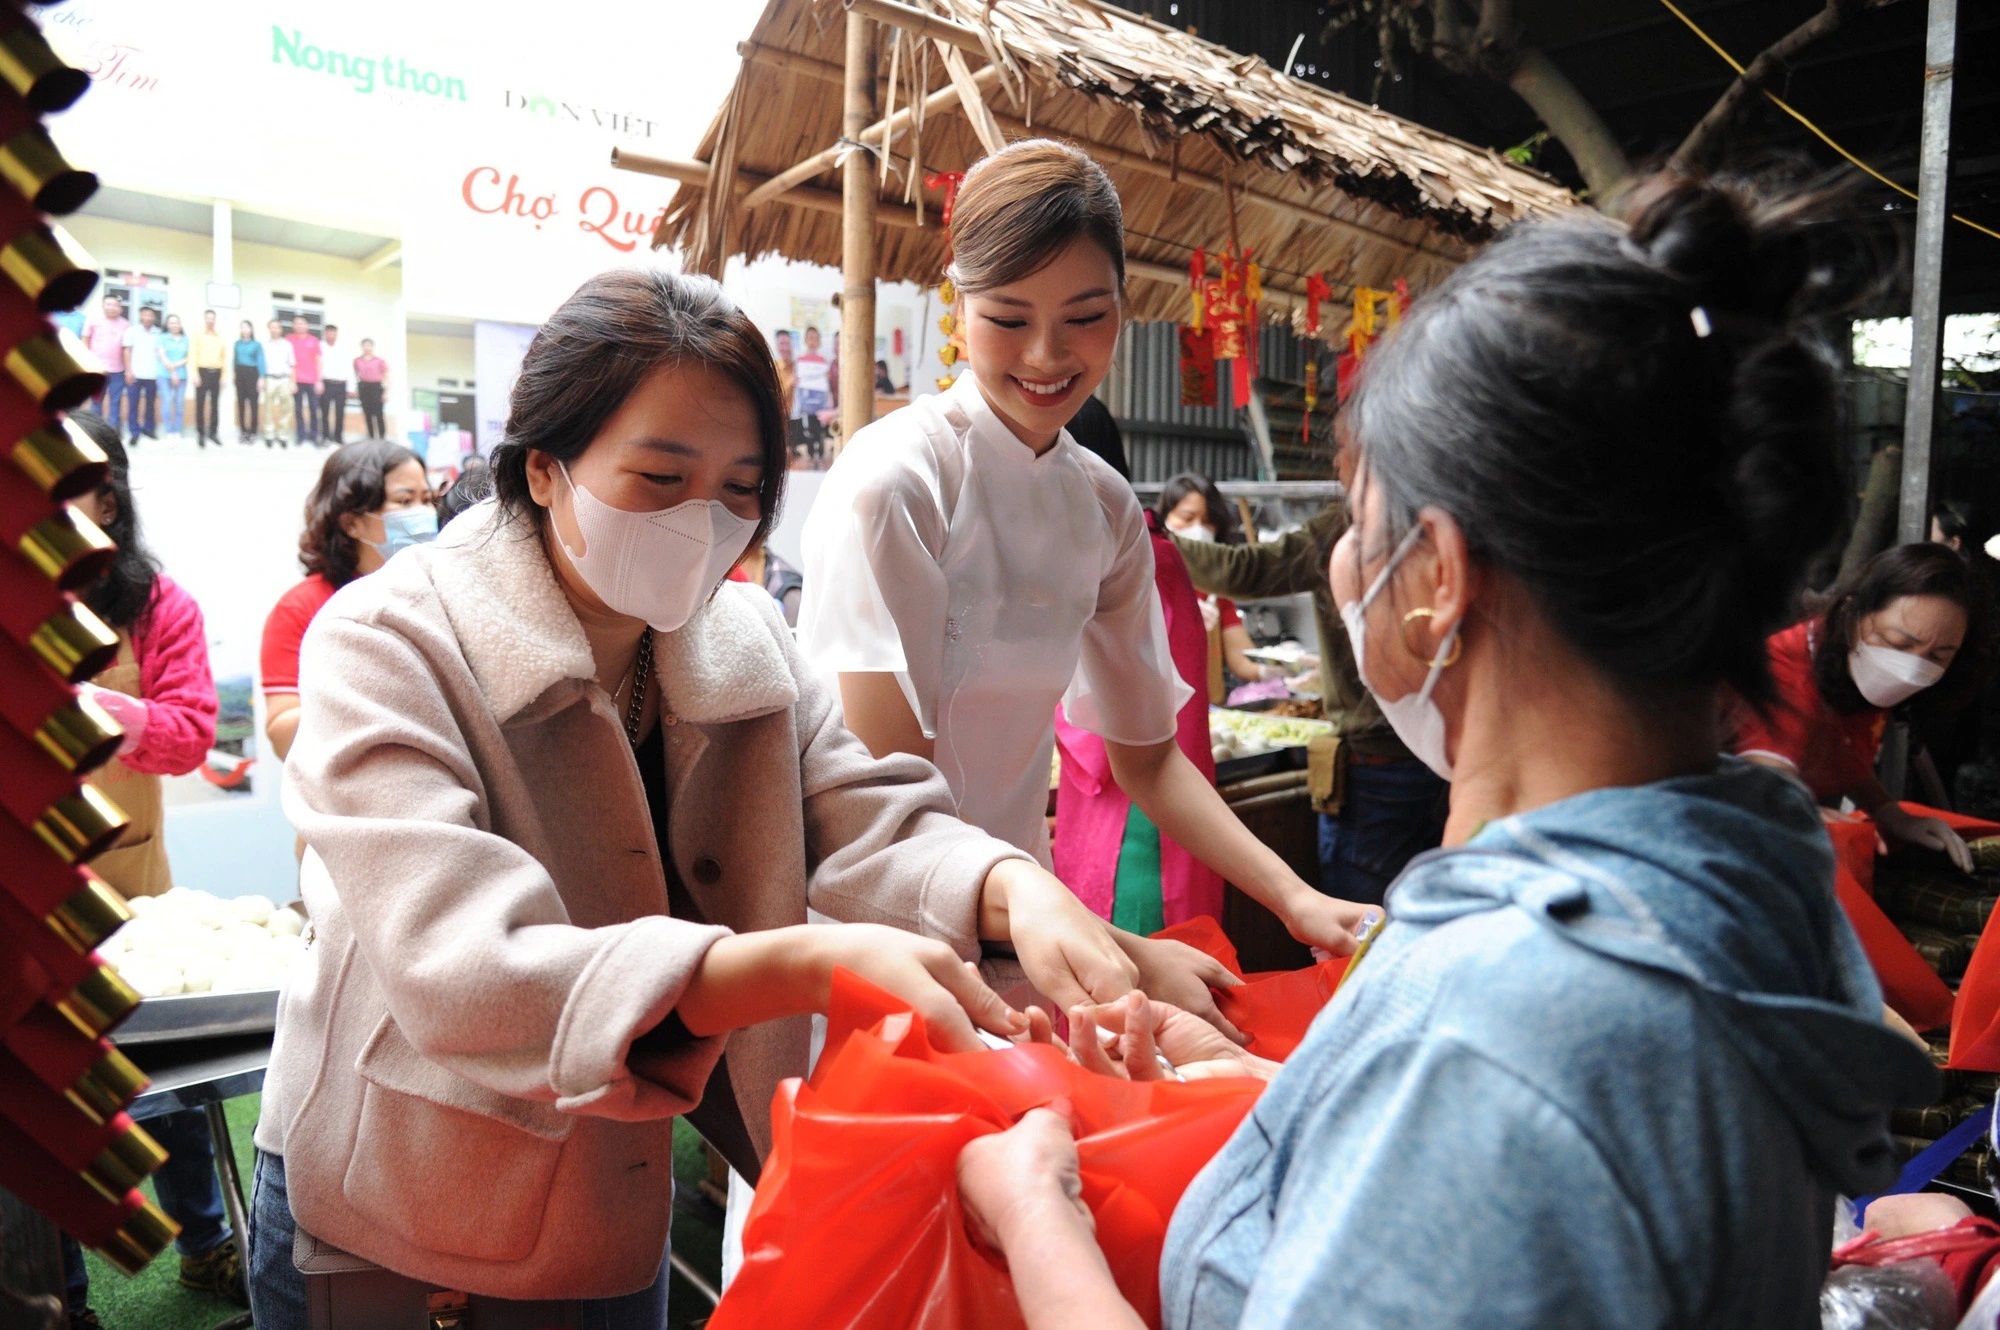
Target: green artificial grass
[{"x": 154, "y": 1299}]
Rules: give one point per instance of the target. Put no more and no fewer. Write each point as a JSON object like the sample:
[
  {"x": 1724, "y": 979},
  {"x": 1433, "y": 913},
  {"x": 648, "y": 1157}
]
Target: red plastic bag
[
  {"x": 1273, "y": 1007},
  {"x": 857, "y": 1223},
  {"x": 1909, "y": 985}
]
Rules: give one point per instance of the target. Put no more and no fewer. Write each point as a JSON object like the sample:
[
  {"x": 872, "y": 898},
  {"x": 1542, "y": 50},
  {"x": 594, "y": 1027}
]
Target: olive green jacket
[{"x": 1293, "y": 563}]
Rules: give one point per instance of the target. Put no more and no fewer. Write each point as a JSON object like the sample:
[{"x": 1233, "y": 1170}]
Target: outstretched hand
[
  {"x": 1175, "y": 973},
  {"x": 1130, "y": 1040}
]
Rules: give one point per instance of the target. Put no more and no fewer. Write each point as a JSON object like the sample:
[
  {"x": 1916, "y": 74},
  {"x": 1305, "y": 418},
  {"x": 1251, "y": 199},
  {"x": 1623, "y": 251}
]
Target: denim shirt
[{"x": 1608, "y": 1065}]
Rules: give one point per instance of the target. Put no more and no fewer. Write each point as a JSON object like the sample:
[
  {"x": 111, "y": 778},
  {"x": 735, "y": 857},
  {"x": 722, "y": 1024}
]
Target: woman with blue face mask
[
  {"x": 1617, "y": 1052},
  {"x": 372, "y": 499}
]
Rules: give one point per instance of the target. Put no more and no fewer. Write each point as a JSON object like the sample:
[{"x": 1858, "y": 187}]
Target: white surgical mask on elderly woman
[
  {"x": 1888, "y": 677},
  {"x": 658, "y": 566},
  {"x": 1414, "y": 716}
]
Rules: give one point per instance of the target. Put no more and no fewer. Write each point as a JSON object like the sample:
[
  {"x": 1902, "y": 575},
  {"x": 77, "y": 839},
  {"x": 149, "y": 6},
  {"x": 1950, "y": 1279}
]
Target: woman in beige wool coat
[{"x": 555, "y": 857}]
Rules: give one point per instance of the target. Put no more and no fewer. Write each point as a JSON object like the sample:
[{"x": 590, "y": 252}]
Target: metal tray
[
  {"x": 1234, "y": 769},
  {"x": 200, "y": 1016}
]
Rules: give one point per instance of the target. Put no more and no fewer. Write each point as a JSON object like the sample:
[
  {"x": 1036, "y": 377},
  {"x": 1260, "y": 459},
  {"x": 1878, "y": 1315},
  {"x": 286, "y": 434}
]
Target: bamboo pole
[
  {"x": 880, "y": 132},
  {"x": 791, "y": 62},
  {"x": 918, "y": 22},
  {"x": 699, "y": 174},
  {"x": 857, "y": 236}
]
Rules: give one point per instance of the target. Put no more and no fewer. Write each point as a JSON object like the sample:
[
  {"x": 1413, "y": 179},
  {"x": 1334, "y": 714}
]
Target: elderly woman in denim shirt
[{"x": 1617, "y": 1050}]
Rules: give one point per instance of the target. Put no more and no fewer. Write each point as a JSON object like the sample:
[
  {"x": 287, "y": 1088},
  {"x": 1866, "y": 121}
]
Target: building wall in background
[
  {"x": 362, "y": 304},
  {"x": 435, "y": 358}
]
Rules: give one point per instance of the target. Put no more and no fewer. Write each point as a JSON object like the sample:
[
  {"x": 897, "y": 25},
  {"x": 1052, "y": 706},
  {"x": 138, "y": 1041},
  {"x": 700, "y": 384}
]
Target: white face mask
[
  {"x": 1196, "y": 531},
  {"x": 658, "y": 566},
  {"x": 1414, "y": 716},
  {"x": 1888, "y": 677}
]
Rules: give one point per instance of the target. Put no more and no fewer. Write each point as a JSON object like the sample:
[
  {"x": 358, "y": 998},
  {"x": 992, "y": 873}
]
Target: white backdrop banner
[{"x": 497, "y": 352}]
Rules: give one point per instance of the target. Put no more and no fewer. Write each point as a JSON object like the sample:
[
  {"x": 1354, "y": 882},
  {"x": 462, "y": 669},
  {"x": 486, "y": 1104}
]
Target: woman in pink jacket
[
  {"x": 162, "y": 695},
  {"x": 160, "y": 690},
  {"x": 1106, "y": 849}
]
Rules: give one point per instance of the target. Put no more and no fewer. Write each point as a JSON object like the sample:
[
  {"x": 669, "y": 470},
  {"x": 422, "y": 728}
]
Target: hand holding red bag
[
  {"x": 857, "y": 1221},
  {"x": 1274, "y": 1008}
]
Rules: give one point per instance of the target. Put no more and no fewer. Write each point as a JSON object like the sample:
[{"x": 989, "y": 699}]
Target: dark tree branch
[
  {"x": 1497, "y": 39},
  {"x": 1705, "y": 141},
  {"x": 1493, "y": 46}
]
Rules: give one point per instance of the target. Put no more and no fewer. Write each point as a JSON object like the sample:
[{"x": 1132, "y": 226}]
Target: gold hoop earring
[{"x": 1457, "y": 643}]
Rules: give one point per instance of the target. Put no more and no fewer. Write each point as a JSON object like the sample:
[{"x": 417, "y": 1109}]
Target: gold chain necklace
[{"x": 642, "y": 674}]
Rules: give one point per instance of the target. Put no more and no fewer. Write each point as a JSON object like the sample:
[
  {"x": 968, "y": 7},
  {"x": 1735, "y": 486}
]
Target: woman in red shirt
[
  {"x": 1910, "y": 622},
  {"x": 371, "y": 499}
]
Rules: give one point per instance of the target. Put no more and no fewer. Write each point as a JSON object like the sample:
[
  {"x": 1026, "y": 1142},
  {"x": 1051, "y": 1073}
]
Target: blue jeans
[
  {"x": 111, "y": 402},
  {"x": 278, "y": 1290},
  {"x": 142, "y": 407},
  {"x": 1392, "y": 812},
  {"x": 189, "y": 1191},
  {"x": 305, "y": 411},
  {"x": 173, "y": 403}
]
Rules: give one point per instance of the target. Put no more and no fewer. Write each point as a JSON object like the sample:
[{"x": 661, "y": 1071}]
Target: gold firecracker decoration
[{"x": 948, "y": 325}]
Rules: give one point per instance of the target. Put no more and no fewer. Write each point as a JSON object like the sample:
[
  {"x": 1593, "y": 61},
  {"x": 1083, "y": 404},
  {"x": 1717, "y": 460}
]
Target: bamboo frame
[
  {"x": 774, "y": 57},
  {"x": 1103, "y": 152},
  {"x": 1166, "y": 170},
  {"x": 881, "y": 131},
  {"x": 917, "y": 21},
  {"x": 1322, "y": 183},
  {"x": 857, "y": 235},
  {"x": 698, "y": 173}
]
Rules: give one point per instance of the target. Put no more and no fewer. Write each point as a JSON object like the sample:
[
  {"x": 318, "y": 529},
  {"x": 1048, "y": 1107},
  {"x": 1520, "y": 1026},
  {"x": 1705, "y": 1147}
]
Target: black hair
[
  {"x": 601, "y": 343},
  {"x": 1096, "y": 430},
  {"x": 473, "y": 485},
  {"x": 1961, "y": 520},
  {"x": 1899, "y": 571},
  {"x": 354, "y": 480},
  {"x": 121, "y": 595},
  {"x": 331, "y": 327},
  {"x": 1636, "y": 422},
  {"x": 1221, "y": 513}
]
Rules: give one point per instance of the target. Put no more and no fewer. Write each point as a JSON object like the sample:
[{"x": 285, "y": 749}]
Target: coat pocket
[{"x": 446, "y": 1164}]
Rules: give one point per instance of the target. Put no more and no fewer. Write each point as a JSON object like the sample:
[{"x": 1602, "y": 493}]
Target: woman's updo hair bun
[
  {"x": 1637, "y": 421},
  {"x": 1022, "y": 206}
]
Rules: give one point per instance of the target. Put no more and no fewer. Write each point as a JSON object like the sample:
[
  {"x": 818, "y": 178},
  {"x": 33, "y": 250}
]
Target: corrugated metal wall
[{"x": 1164, "y": 438}]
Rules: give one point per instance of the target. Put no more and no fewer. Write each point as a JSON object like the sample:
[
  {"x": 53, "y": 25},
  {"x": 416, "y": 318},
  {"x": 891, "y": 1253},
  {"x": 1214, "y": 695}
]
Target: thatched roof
[{"x": 1322, "y": 183}]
